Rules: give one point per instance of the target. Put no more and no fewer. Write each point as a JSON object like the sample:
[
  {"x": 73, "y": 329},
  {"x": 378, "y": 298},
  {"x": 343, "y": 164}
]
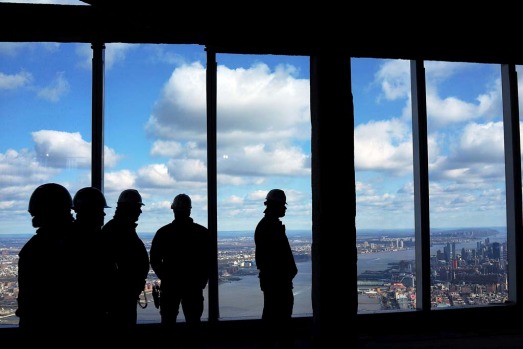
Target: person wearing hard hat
[
  {"x": 277, "y": 269},
  {"x": 89, "y": 264},
  {"x": 180, "y": 257},
  {"x": 42, "y": 310},
  {"x": 129, "y": 255}
]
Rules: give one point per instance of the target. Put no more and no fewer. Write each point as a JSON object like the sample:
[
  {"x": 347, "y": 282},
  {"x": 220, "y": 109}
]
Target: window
[
  {"x": 456, "y": 163},
  {"x": 384, "y": 185},
  {"x": 263, "y": 142},
  {"x": 45, "y": 111},
  {"x": 467, "y": 184}
]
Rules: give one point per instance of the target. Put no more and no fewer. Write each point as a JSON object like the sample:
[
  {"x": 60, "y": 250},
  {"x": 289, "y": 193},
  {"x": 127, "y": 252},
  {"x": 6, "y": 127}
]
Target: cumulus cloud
[
  {"x": 260, "y": 113},
  {"x": 383, "y": 146},
  {"x": 155, "y": 175},
  {"x": 188, "y": 169},
  {"x": 394, "y": 78},
  {"x": 120, "y": 180},
  {"x": 259, "y": 159},
  {"x": 167, "y": 148},
  {"x": 66, "y": 149},
  {"x": 21, "y": 167},
  {"x": 15, "y": 81}
]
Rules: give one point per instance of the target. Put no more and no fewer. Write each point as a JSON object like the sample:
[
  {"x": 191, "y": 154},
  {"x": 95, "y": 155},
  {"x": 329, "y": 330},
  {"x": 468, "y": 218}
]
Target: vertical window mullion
[
  {"x": 97, "y": 143},
  {"x": 214, "y": 312},
  {"x": 421, "y": 184},
  {"x": 513, "y": 178}
]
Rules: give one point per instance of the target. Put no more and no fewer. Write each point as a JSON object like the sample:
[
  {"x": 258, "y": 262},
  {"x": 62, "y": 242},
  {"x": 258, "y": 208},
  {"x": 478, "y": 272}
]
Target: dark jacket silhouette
[
  {"x": 180, "y": 257},
  {"x": 43, "y": 301},
  {"x": 129, "y": 255},
  {"x": 277, "y": 269},
  {"x": 89, "y": 264}
]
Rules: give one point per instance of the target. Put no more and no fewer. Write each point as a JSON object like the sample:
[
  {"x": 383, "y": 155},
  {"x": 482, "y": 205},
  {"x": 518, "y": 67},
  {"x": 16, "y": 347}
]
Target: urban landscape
[
  {"x": 235, "y": 261},
  {"x": 467, "y": 268},
  {"x": 470, "y": 275}
]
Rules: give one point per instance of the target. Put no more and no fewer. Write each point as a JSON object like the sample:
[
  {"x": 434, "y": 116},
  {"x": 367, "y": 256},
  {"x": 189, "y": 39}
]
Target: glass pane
[
  {"x": 383, "y": 162},
  {"x": 45, "y": 112},
  {"x": 467, "y": 184},
  {"x": 263, "y": 142},
  {"x": 155, "y": 136}
]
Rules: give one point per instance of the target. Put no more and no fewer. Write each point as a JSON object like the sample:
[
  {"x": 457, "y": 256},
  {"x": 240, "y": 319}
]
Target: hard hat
[
  {"x": 89, "y": 197},
  {"x": 181, "y": 202},
  {"x": 50, "y": 197},
  {"x": 276, "y": 195},
  {"x": 130, "y": 196}
]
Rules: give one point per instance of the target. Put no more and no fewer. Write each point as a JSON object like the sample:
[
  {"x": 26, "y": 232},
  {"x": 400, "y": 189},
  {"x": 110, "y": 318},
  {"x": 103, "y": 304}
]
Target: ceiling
[{"x": 273, "y": 28}]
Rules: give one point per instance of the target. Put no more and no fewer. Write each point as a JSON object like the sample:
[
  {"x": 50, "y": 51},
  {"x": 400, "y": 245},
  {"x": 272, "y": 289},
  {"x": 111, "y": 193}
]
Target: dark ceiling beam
[{"x": 259, "y": 32}]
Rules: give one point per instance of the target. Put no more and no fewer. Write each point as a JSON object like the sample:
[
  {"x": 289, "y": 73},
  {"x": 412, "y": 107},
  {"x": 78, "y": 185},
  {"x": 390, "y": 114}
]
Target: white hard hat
[
  {"x": 276, "y": 195},
  {"x": 130, "y": 196},
  {"x": 181, "y": 202}
]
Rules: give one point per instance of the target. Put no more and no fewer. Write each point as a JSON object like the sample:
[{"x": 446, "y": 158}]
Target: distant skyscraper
[{"x": 496, "y": 250}]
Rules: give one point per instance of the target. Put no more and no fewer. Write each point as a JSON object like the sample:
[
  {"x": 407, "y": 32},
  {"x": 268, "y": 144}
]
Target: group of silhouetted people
[{"x": 100, "y": 269}]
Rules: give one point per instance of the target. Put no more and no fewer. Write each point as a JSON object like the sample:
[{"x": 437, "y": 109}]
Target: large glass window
[
  {"x": 45, "y": 112},
  {"x": 156, "y": 141},
  {"x": 467, "y": 184},
  {"x": 156, "y": 136},
  {"x": 384, "y": 185},
  {"x": 263, "y": 142}
]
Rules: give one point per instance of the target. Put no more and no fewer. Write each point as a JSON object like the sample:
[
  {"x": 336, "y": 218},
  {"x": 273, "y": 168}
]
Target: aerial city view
[
  {"x": 468, "y": 267},
  {"x": 236, "y": 267}
]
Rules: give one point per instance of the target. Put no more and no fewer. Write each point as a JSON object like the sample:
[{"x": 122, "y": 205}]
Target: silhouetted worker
[
  {"x": 180, "y": 257},
  {"x": 277, "y": 269},
  {"x": 43, "y": 304},
  {"x": 128, "y": 253},
  {"x": 89, "y": 266}
]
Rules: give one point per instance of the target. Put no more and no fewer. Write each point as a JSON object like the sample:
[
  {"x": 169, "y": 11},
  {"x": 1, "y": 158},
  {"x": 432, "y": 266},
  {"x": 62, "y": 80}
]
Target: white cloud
[
  {"x": 14, "y": 81},
  {"x": 65, "y": 150},
  {"x": 383, "y": 146},
  {"x": 394, "y": 78},
  {"x": 259, "y": 113},
  {"x": 155, "y": 175},
  {"x": 188, "y": 170},
  {"x": 58, "y": 87},
  {"x": 120, "y": 180},
  {"x": 20, "y": 168},
  {"x": 259, "y": 159},
  {"x": 167, "y": 148}
]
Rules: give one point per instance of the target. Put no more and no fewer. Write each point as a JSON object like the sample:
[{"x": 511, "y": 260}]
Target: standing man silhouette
[
  {"x": 277, "y": 269},
  {"x": 129, "y": 255},
  {"x": 42, "y": 308},
  {"x": 180, "y": 257},
  {"x": 89, "y": 266}
]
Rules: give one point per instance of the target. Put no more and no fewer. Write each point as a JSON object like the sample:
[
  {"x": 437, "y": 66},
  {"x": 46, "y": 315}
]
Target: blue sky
[{"x": 155, "y": 134}]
